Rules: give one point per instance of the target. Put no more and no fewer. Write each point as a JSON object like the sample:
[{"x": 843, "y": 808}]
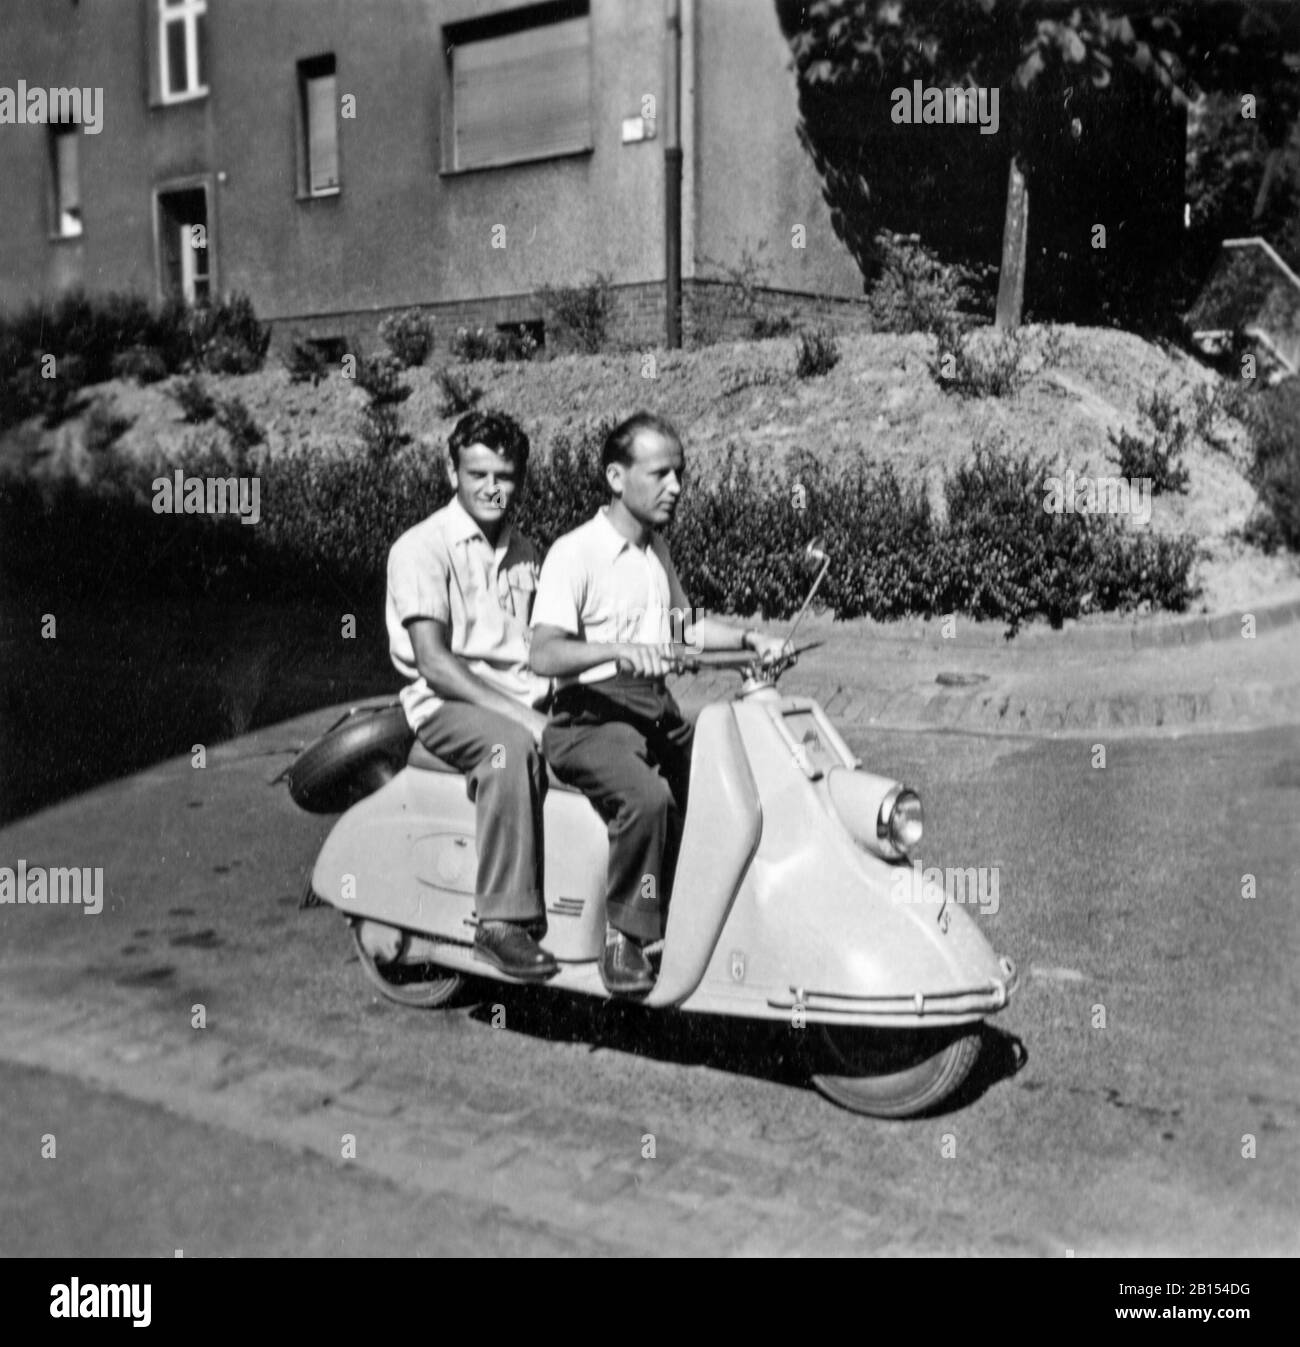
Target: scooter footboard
[{"x": 724, "y": 822}]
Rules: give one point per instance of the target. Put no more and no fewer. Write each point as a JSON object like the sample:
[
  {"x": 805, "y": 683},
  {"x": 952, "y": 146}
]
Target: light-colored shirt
[
  {"x": 444, "y": 568},
  {"x": 599, "y": 586}
]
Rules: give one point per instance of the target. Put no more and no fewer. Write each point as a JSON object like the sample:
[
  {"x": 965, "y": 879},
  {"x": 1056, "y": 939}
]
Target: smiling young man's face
[{"x": 485, "y": 484}]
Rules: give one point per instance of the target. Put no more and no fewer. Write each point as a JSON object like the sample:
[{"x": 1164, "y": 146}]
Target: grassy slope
[{"x": 879, "y": 401}]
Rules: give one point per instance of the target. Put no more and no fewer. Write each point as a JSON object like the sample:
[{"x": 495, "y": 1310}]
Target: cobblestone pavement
[{"x": 536, "y": 1132}]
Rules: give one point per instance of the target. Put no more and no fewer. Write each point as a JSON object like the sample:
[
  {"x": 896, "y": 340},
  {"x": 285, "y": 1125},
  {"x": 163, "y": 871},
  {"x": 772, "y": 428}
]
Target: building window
[
  {"x": 520, "y": 86},
  {"x": 182, "y": 49},
  {"x": 184, "y": 245},
  {"x": 318, "y": 139},
  {"x": 65, "y": 174}
]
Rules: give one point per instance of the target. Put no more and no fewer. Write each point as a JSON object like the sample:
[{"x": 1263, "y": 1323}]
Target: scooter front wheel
[
  {"x": 894, "y": 1073},
  {"x": 380, "y": 948}
]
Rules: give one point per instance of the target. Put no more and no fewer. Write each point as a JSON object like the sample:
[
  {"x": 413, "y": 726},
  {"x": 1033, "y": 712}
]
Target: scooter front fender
[{"x": 823, "y": 924}]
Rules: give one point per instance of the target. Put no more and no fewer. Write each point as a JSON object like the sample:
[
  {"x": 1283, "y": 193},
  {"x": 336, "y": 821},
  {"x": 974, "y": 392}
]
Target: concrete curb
[
  {"x": 1193, "y": 629},
  {"x": 1026, "y": 713}
]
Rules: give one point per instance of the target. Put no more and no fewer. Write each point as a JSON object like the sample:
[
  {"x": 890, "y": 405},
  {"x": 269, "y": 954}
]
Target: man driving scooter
[
  {"x": 460, "y": 592},
  {"x": 616, "y": 732}
]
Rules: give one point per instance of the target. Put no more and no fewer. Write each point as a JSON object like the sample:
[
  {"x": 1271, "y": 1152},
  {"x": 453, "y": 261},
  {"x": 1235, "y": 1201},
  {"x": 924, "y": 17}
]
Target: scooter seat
[{"x": 420, "y": 757}]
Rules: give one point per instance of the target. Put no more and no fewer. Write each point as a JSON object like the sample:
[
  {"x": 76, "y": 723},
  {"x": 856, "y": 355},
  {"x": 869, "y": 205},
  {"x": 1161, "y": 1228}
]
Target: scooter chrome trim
[
  {"x": 980, "y": 1001},
  {"x": 928, "y": 1005}
]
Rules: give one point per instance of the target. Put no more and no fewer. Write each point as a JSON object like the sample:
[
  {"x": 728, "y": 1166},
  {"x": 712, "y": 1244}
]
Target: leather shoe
[
  {"x": 624, "y": 968},
  {"x": 508, "y": 946}
]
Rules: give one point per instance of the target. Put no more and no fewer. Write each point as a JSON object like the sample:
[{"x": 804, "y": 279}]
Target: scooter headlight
[
  {"x": 882, "y": 815},
  {"x": 906, "y": 821}
]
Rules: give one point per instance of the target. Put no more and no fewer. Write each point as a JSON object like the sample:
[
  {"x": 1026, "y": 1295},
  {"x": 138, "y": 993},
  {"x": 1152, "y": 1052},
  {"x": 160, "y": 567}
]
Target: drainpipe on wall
[{"x": 673, "y": 173}]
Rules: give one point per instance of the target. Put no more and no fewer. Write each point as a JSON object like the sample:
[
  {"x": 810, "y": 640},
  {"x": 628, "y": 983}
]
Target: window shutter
[
  {"x": 322, "y": 133},
  {"x": 523, "y": 96}
]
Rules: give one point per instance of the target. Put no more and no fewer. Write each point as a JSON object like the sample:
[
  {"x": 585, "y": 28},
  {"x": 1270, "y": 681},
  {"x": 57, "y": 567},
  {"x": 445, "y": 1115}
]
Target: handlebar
[
  {"x": 691, "y": 661},
  {"x": 716, "y": 659}
]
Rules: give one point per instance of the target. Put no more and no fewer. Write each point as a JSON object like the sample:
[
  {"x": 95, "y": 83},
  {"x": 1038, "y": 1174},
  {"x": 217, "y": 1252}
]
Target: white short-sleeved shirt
[
  {"x": 599, "y": 586},
  {"x": 444, "y": 568}
]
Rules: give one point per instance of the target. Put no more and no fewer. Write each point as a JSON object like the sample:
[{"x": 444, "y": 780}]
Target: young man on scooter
[
  {"x": 602, "y": 627},
  {"x": 460, "y": 594}
]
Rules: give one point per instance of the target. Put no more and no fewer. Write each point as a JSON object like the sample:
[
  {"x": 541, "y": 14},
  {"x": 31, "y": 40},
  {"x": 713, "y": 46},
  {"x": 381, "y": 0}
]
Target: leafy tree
[{"x": 1091, "y": 124}]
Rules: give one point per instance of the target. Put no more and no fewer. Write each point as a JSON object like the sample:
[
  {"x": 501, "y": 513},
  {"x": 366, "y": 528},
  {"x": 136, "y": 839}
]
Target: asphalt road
[{"x": 1120, "y": 889}]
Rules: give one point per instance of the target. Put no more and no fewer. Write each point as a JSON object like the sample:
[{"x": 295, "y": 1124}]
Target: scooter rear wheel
[
  {"x": 894, "y": 1073},
  {"x": 423, "y": 986}
]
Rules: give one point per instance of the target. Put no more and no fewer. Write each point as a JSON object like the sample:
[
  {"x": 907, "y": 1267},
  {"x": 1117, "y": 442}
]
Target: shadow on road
[
  {"x": 760, "y": 1050},
  {"x": 115, "y": 690}
]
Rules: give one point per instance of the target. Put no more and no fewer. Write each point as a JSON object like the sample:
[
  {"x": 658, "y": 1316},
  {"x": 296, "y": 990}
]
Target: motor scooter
[{"x": 794, "y": 899}]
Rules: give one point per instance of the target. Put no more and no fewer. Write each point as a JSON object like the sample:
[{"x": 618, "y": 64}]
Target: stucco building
[{"x": 338, "y": 159}]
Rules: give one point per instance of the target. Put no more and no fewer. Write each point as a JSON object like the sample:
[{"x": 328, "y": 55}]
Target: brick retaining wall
[{"x": 711, "y": 311}]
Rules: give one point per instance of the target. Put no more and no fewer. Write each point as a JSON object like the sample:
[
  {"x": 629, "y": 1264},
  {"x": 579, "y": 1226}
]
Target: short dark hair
[
  {"x": 621, "y": 440},
  {"x": 496, "y": 430}
]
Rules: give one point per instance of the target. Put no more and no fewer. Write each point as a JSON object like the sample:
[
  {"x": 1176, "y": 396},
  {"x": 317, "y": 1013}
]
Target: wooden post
[{"x": 1015, "y": 237}]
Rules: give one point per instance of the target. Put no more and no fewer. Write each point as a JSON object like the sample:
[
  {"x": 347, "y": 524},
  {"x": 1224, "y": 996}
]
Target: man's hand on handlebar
[
  {"x": 768, "y": 648},
  {"x": 649, "y": 661}
]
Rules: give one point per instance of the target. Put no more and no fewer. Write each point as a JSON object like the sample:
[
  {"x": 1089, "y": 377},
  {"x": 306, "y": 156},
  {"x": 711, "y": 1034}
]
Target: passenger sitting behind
[
  {"x": 603, "y": 624},
  {"x": 460, "y": 596}
]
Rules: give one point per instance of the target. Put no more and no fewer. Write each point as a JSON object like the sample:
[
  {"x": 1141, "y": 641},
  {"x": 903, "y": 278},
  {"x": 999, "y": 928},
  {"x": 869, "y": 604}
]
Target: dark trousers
[
  {"x": 506, "y": 779},
  {"x": 624, "y": 744}
]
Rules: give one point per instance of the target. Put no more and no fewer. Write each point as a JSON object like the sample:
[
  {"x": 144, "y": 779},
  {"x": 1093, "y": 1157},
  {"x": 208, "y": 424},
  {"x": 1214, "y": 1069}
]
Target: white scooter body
[{"x": 776, "y": 909}]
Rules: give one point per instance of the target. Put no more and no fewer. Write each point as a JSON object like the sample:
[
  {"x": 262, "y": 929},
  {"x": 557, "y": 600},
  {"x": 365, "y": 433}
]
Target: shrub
[
  {"x": 458, "y": 394},
  {"x": 109, "y": 336},
  {"x": 58, "y": 397},
  {"x": 580, "y": 313},
  {"x": 336, "y": 515},
  {"x": 474, "y": 344},
  {"x": 409, "y": 336},
  {"x": 1053, "y": 348},
  {"x": 740, "y": 535},
  {"x": 978, "y": 364},
  {"x": 305, "y": 361},
  {"x": 227, "y": 338},
  {"x": 1275, "y": 427},
  {"x": 1003, "y": 556},
  {"x": 738, "y": 540},
  {"x": 734, "y": 301},
  {"x": 237, "y": 421},
  {"x": 104, "y": 426},
  {"x": 816, "y": 353},
  {"x": 518, "y": 343},
  {"x": 381, "y": 430},
  {"x": 224, "y": 355},
  {"x": 195, "y": 401},
  {"x": 765, "y": 325},
  {"x": 143, "y": 364},
  {"x": 380, "y": 376},
  {"x": 915, "y": 291},
  {"x": 1155, "y": 458},
  {"x": 511, "y": 343},
  {"x": 565, "y": 485},
  {"x": 19, "y": 392}
]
